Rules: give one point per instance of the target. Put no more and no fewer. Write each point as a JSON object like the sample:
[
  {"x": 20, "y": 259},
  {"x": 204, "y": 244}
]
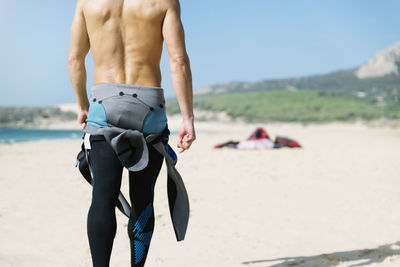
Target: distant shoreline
[
  {"x": 174, "y": 120},
  {"x": 49, "y": 117},
  {"x": 63, "y": 117}
]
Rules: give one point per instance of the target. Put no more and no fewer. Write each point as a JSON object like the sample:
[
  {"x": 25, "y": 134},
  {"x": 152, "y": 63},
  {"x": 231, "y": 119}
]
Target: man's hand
[
  {"x": 186, "y": 134},
  {"x": 82, "y": 116}
]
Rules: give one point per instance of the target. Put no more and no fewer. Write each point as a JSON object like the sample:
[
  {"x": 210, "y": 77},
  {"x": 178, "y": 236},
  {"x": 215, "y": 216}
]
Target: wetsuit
[
  {"x": 101, "y": 223},
  {"x": 127, "y": 114}
]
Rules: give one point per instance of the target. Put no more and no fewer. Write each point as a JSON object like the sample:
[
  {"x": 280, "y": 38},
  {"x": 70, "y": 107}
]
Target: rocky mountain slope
[{"x": 385, "y": 63}]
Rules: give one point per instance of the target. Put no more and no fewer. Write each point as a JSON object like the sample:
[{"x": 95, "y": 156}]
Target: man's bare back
[{"x": 126, "y": 38}]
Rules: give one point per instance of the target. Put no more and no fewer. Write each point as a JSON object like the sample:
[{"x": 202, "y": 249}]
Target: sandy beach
[{"x": 334, "y": 202}]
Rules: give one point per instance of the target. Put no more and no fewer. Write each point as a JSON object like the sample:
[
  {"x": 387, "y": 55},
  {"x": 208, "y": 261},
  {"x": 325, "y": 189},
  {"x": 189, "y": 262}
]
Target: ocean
[{"x": 15, "y": 135}]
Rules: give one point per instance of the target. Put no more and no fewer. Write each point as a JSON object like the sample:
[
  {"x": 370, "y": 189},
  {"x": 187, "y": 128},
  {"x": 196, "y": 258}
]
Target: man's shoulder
[
  {"x": 164, "y": 3},
  {"x": 81, "y": 3},
  {"x": 171, "y": 3}
]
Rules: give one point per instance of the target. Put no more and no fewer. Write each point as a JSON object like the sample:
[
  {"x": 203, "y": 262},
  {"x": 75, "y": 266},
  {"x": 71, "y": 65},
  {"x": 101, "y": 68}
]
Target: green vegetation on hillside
[
  {"x": 296, "y": 106},
  {"x": 386, "y": 87},
  {"x": 20, "y": 115}
]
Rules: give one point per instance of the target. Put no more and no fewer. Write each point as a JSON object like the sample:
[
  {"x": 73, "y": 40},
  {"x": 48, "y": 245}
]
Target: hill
[
  {"x": 385, "y": 88},
  {"x": 33, "y": 117},
  {"x": 368, "y": 92}
]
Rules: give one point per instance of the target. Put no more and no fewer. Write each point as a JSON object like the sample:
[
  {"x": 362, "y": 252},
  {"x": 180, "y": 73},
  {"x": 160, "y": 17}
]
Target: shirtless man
[{"x": 126, "y": 38}]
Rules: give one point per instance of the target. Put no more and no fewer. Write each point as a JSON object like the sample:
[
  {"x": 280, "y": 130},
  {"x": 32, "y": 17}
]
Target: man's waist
[
  {"x": 110, "y": 88},
  {"x": 128, "y": 106}
]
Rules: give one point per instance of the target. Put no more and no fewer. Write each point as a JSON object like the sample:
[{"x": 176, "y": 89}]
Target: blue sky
[{"x": 227, "y": 40}]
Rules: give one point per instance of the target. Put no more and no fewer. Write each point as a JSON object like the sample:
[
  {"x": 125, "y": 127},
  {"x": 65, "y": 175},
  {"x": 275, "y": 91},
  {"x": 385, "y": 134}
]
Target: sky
[{"x": 227, "y": 40}]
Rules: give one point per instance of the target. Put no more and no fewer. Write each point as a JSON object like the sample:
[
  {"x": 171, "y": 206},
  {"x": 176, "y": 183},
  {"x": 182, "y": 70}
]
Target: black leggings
[{"x": 101, "y": 221}]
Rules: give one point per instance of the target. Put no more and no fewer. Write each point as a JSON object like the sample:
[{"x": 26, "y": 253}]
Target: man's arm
[
  {"x": 174, "y": 37},
  {"x": 79, "y": 47}
]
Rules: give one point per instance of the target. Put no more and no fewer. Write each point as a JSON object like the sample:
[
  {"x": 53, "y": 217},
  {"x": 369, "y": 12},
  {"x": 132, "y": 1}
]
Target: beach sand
[{"x": 335, "y": 202}]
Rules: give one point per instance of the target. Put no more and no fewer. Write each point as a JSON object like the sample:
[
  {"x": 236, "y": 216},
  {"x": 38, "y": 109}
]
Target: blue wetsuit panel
[
  {"x": 97, "y": 115},
  {"x": 171, "y": 152},
  {"x": 155, "y": 122}
]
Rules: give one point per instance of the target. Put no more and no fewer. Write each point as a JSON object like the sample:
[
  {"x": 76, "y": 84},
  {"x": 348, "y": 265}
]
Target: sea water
[{"x": 15, "y": 135}]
